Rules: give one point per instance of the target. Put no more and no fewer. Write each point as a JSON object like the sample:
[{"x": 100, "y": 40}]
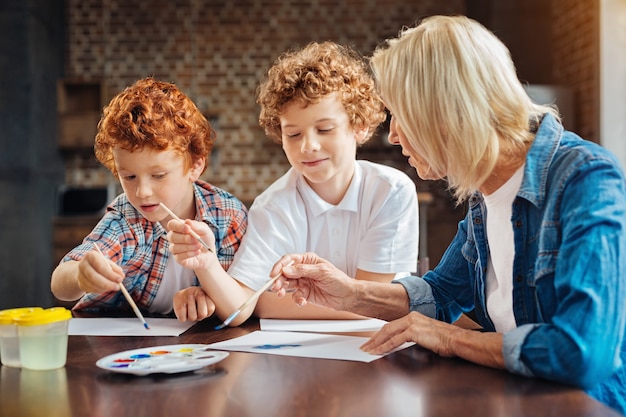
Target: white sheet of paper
[
  {"x": 309, "y": 345},
  {"x": 126, "y": 326},
  {"x": 323, "y": 326}
]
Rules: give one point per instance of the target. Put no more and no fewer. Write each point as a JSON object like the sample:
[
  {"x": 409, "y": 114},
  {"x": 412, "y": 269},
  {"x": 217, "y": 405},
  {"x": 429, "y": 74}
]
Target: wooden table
[{"x": 411, "y": 382}]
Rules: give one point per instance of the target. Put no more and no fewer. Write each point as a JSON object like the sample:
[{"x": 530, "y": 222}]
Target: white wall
[{"x": 613, "y": 76}]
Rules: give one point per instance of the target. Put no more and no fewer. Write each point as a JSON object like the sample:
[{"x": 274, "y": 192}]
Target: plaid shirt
[{"x": 140, "y": 247}]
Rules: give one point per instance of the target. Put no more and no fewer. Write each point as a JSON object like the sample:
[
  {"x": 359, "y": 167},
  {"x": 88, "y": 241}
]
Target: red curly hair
[{"x": 157, "y": 115}]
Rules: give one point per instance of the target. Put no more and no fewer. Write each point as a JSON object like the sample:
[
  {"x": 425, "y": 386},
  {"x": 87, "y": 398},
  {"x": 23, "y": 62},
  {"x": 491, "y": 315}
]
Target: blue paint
[
  {"x": 140, "y": 356},
  {"x": 268, "y": 346}
]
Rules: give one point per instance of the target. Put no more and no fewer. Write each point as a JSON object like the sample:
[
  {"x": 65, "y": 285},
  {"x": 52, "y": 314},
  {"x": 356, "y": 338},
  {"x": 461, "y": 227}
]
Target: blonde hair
[
  {"x": 453, "y": 89},
  {"x": 314, "y": 72}
]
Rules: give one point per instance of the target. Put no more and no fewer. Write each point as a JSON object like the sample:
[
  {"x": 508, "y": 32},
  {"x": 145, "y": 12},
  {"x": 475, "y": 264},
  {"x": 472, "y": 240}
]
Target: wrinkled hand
[
  {"x": 193, "y": 304},
  {"x": 429, "y": 333},
  {"x": 314, "y": 280},
  {"x": 97, "y": 274},
  {"x": 186, "y": 249}
]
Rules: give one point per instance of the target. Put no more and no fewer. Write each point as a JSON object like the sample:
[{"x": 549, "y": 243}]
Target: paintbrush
[
  {"x": 127, "y": 296},
  {"x": 252, "y": 298},
  {"x": 194, "y": 234}
]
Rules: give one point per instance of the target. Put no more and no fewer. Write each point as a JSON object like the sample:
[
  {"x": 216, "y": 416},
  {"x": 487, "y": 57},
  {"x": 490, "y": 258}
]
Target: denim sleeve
[
  {"x": 511, "y": 349},
  {"x": 420, "y": 295},
  {"x": 451, "y": 283},
  {"x": 578, "y": 280}
]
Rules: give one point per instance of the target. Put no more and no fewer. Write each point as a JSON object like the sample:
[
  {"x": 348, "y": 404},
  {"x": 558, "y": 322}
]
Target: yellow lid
[
  {"x": 7, "y": 316},
  {"x": 49, "y": 315}
]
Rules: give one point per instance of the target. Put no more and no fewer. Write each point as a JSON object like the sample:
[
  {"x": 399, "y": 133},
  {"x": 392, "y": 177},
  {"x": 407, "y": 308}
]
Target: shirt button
[
  {"x": 162, "y": 251},
  {"x": 518, "y": 278}
]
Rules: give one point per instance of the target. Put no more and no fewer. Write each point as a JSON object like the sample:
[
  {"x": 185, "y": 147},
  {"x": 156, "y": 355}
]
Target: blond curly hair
[{"x": 314, "y": 72}]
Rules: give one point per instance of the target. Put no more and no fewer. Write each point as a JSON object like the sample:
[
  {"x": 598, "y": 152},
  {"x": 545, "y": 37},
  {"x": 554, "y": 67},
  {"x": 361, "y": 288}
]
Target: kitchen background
[{"x": 61, "y": 62}]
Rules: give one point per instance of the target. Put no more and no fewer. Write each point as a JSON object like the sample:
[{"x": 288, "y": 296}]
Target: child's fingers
[
  {"x": 192, "y": 311},
  {"x": 204, "y": 307},
  {"x": 180, "y": 305},
  {"x": 98, "y": 274}
]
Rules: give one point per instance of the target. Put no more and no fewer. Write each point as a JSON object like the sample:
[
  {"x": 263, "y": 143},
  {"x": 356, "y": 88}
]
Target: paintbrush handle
[
  {"x": 133, "y": 305},
  {"x": 264, "y": 288},
  {"x": 252, "y": 298},
  {"x": 127, "y": 295},
  {"x": 199, "y": 239},
  {"x": 194, "y": 234},
  {"x": 257, "y": 294}
]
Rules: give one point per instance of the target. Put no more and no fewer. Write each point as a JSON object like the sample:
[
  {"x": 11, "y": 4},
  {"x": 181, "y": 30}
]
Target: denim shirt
[{"x": 569, "y": 269}]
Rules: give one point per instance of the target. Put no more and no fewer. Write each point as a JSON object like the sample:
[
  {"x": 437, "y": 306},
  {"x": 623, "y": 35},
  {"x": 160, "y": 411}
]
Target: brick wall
[
  {"x": 216, "y": 51},
  {"x": 576, "y": 28}
]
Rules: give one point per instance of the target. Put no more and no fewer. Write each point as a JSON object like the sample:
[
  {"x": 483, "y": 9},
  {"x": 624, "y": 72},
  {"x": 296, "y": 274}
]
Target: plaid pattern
[{"x": 140, "y": 247}]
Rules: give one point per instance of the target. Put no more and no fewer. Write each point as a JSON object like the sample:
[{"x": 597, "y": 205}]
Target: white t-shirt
[
  {"x": 374, "y": 228},
  {"x": 175, "y": 278},
  {"x": 499, "y": 287}
]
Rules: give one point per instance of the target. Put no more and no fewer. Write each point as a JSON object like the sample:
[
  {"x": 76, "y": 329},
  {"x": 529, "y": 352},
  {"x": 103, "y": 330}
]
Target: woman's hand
[
  {"x": 193, "y": 304},
  {"x": 315, "y": 280},
  {"x": 447, "y": 340},
  {"x": 429, "y": 333},
  {"x": 187, "y": 250}
]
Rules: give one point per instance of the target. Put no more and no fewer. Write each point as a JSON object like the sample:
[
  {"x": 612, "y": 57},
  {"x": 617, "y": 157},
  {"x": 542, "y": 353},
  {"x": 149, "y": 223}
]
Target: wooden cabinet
[
  {"x": 79, "y": 106},
  {"x": 68, "y": 232}
]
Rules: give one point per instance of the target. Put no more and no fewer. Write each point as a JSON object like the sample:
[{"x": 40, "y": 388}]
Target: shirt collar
[
  {"x": 204, "y": 213},
  {"x": 538, "y": 159},
  {"x": 317, "y": 206},
  {"x": 540, "y": 155}
]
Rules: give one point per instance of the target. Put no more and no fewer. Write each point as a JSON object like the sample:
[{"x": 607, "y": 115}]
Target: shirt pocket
[{"x": 469, "y": 251}]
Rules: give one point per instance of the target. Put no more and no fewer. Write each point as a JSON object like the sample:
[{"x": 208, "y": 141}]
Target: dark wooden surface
[{"x": 411, "y": 382}]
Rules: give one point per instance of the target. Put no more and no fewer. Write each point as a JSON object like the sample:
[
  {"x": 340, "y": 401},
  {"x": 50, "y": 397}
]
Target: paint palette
[{"x": 161, "y": 359}]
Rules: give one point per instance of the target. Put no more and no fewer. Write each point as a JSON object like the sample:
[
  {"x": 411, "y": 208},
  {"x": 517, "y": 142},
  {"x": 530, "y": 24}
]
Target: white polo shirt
[{"x": 374, "y": 228}]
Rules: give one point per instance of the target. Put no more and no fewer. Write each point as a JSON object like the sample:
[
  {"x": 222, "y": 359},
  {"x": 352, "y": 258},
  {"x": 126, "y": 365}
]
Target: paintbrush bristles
[{"x": 134, "y": 306}]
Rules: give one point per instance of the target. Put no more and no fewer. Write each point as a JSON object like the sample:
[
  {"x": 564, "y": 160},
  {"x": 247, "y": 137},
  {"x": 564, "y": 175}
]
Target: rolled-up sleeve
[
  {"x": 420, "y": 295},
  {"x": 512, "y": 349}
]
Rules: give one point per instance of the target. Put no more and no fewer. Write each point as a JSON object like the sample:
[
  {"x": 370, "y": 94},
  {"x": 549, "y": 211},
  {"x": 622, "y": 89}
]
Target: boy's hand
[
  {"x": 96, "y": 274},
  {"x": 193, "y": 304},
  {"x": 187, "y": 250}
]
